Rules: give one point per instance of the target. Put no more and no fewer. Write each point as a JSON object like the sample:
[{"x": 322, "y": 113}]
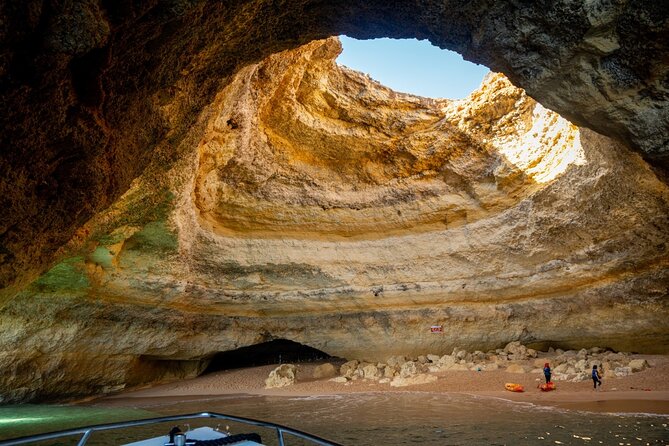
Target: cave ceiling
[{"x": 85, "y": 84}]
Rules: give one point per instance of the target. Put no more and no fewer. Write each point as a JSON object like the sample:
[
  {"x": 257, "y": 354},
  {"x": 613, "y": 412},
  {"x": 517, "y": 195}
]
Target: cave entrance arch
[{"x": 272, "y": 352}]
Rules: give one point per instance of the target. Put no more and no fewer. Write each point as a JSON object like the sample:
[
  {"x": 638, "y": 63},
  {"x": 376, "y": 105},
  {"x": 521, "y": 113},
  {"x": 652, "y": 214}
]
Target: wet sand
[{"x": 642, "y": 392}]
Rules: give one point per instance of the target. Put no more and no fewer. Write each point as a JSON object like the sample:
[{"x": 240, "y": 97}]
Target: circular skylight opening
[{"x": 413, "y": 66}]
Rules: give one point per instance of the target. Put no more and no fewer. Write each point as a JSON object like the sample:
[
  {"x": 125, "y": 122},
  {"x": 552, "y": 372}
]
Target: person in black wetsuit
[{"x": 596, "y": 377}]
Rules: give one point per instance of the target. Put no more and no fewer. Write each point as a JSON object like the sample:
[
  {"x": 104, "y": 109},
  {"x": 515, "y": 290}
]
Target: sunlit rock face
[
  {"x": 306, "y": 150},
  {"x": 312, "y": 204}
]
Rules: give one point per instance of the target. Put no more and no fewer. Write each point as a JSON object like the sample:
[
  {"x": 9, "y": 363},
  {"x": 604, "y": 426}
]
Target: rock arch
[{"x": 93, "y": 90}]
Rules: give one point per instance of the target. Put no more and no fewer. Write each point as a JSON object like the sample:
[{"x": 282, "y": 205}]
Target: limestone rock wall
[
  {"x": 93, "y": 91},
  {"x": 310, "y": 203}
]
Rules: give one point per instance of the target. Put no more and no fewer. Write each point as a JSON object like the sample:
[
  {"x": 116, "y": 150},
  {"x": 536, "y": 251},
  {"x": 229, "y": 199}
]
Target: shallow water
[
  {"x": 386, "y": 419},
  {"x": 29, "y": 419}
]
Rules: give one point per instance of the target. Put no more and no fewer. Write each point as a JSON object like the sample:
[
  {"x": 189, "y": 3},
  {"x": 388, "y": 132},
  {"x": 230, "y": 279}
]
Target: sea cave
[{"x": 182, "y": 179}]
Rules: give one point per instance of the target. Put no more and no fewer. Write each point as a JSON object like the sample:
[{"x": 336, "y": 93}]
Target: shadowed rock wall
[{"x": 312, "y": 204}]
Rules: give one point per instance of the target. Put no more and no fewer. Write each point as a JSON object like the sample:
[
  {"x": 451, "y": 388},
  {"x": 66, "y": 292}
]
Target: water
[
  {"x": 29, "y": 419},
  {"x": 380, "y": 419}
]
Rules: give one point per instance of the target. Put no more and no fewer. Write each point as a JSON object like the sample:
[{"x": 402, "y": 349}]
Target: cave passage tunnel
[{"x": 277, "y": 351}]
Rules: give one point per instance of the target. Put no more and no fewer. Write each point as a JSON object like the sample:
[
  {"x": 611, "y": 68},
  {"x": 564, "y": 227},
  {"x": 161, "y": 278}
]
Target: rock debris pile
[{"x": 401, "y": 371}]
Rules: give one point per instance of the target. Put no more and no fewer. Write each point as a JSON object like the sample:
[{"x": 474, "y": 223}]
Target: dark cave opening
[{"x": 278, "y": 351}]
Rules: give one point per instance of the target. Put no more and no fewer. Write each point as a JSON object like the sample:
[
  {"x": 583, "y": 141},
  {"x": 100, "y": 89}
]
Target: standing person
[
  {"x": 547, "y": 373},
  {"x": 596, "y": 377}
]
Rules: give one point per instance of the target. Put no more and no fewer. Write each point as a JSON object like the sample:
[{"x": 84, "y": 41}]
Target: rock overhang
[{"x": 107, "y": 86}]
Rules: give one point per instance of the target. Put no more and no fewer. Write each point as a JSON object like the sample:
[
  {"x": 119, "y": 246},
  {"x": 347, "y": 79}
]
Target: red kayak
[{"x": 547, "y": 387}]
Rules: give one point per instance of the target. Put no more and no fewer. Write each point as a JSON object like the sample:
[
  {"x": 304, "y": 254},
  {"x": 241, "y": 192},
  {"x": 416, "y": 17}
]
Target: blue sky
[{"x": 413, "y": 66}]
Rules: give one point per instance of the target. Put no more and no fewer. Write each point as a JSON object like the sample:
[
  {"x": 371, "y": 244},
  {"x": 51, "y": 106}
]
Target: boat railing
[{"x": 87, "y": 431}]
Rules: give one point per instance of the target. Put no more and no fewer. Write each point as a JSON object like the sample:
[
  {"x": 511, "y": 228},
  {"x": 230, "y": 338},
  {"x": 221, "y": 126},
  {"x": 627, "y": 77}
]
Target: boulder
[
  {"x": 282, "y": 376},
  {"x": 396, "y": 361},
  {"x": 512, "y": 347},
  {"x": 478, "y": 356},
  {"x": 615, "y": 357},
  {"x": 433, "y": 358},
  {"x": 348, "y": 368},
  {"x": 370, "y": 371},
  {"x": 581, "y": 365},
  {"x": 359, "y": 371},
  {"x": 562, "y": 368},
  {"x": 408, "y": 369},
  {"x": 446, "y": 360},
  {"x": 637, "y": 365},
  {"x": 557, "y": 361},
  {"x": 324, "y": 371},
  {"x": 579, "y": 377},
  {"x": 516, "y": 349}
]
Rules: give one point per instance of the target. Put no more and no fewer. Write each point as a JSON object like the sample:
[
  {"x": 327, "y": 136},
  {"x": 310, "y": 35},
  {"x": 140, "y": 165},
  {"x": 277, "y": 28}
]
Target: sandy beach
[{"x": 643, "y": 392}]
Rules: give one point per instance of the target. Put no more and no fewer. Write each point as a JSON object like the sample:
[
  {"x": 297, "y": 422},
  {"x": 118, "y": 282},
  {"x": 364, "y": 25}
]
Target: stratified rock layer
[{"x": 311, "y": 203}]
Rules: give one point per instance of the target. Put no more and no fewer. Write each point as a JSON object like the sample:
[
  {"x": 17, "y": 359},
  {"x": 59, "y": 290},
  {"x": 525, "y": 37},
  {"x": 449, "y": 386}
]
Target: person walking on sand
[
  {"x": 547, "y": 373},
  {"x": 596, "y": 377}
]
